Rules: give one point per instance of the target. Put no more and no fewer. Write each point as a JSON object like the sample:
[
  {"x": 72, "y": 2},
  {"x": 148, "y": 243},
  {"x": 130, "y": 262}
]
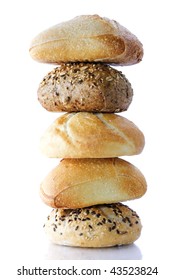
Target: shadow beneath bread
[{"x": 127, "y": 252}]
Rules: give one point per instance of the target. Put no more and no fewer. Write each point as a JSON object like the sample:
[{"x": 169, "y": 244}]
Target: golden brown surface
[
  {"x": 87, "y": 38},
  {"x": 78, "y": 183},
  {"x": 88, "y": 135}
]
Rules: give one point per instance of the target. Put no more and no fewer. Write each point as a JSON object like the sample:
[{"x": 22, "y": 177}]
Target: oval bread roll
[
  {"x": 96, "y": 226},
  {"x": 78, "y": 183},
  {"x": 88, "y": 135},
  {"x": 90, "y": 87},
  {"x": 87, "y": 38}
]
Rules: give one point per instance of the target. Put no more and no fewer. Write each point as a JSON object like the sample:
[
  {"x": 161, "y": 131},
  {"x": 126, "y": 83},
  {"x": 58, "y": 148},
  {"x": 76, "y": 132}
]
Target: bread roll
[
  {"x": 91, "y": 87},
  {"x": 96, "y": 226},
  {"x": 78, "y": 183},
  {"x": 88, "y": 135},
  {"x": 87, "y": 38}
]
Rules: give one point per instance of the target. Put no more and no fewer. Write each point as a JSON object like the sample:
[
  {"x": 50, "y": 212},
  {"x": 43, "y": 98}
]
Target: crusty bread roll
[
  {"x": 87, "y": 38},
  {"x": 78, "y": 183},
  {"x": 96, "y": 226},
  {"x": 91, "y": 87},
  {"x": 91, "y": 135}
]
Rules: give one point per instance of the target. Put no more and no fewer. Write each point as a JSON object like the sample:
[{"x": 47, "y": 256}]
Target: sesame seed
[
  {"x": 98, "y": 215},
  {"x": 62, "y": 73},
  {"x": 84, "y": 67},
  {"x": 121, "y": 232},
  {"x": 109, "y": 79}
]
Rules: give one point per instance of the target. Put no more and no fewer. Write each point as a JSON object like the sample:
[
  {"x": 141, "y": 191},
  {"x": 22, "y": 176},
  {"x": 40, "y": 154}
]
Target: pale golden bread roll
[
  {"x": 87, "y": 38},
  {"x": 88, "y": 87},
  {"x": 78, "y": 183},
  {"x": 91, "y": 135},
  {"x": 96, "y": 226}
]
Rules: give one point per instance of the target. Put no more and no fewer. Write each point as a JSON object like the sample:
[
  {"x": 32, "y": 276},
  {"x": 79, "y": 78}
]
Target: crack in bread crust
[{"x": 115, "y": 130}]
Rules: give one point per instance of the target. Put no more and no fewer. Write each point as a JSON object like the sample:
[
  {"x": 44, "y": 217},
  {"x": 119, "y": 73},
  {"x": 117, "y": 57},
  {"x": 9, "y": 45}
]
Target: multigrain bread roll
[
  {"x": 96, "y": 226},
  {"x": 87, "y": 38},
  {"x": 91, "y": 135},
  {"x": 78, "y": 183},
  {"x": 91, "y": 87}
]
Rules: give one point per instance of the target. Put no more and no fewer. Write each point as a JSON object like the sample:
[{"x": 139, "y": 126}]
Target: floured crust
[
  {"x": 88, "y": 87},
  {"x": 87, "y": 38},
  {"x": 78, "y": 183},
  {"x": 97, "y": 226},
  {"x": 88, "y": 135}
]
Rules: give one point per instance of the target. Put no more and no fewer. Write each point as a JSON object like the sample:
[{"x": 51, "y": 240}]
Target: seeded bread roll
[
  {"x": 96, "y": 226},
  {"x": 87, "y": 87},
  {"x": 78, "y": 183},
  {"x": 91, "y": 135},
  {"x": 87, "y": 38}
]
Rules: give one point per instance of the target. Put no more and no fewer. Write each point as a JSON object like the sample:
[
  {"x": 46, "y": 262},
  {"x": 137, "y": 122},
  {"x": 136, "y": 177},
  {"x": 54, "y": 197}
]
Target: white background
[{"x": 23, "y": 121}]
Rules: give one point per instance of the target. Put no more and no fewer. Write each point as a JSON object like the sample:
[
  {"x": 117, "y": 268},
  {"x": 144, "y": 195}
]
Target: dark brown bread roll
[{"x": 91, "y": 87}]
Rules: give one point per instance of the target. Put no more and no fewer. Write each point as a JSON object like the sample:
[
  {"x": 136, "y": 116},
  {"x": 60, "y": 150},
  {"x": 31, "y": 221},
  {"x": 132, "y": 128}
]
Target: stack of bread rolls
[{"x": 87, "y": 187}]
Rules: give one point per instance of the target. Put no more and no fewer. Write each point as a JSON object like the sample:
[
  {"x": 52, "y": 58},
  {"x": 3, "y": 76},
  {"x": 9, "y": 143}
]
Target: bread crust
[
  {"x": 91, "y": 135},
  {"x": 97, "y": 226},
  {"x": 78, "y": 183},
  {"x": 91, "y": 87},
  {"x": 87, "y": 38}
]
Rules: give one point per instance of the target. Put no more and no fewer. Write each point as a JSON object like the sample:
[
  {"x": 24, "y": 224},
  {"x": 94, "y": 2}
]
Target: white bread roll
[
  {"x": 96, "y": 226},
  {"x": 87, "y": 38},
  {"x": 78, "y": 183},
  {"x": 88, "y": 135}
]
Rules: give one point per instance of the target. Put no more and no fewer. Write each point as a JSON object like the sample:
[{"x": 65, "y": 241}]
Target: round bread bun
[
  {"x": 91, "y": 135},
  {"x": 78, "y": 183},
  {"x": 96, "y": 226},
  {"x": 91, "y": 87},
  {"x": 87, "y": 38}
]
